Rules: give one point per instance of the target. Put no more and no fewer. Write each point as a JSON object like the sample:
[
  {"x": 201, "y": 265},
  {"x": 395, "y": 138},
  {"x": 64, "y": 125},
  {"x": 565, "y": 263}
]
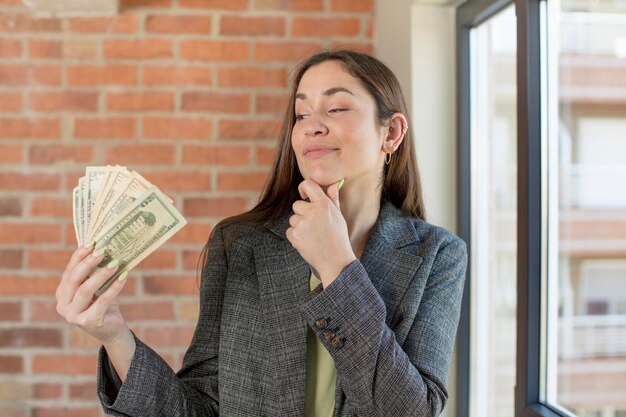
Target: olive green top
[{"x": 321, "y": 374}]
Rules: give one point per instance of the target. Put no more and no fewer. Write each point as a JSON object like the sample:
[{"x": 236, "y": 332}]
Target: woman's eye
[
  {"x": 336, "y": 110},
  {"x": 300, "y": 116}
]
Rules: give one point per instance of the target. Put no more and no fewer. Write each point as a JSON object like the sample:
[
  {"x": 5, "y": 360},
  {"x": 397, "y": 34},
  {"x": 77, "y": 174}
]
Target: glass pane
[
  {"x": 587, "y": 297},
  {"x": 494, "y": 199}
]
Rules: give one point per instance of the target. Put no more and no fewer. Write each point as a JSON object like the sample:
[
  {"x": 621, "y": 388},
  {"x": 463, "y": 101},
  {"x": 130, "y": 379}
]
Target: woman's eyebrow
[{"x": 329, "y": 92}]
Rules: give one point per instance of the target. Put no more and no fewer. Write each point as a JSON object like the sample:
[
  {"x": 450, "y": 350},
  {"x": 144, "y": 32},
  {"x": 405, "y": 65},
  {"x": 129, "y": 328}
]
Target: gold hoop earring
[{"x": 387, "y": 158}]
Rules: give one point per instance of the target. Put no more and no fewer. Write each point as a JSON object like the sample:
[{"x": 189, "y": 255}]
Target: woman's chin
[{"x": 324, "y": 179}]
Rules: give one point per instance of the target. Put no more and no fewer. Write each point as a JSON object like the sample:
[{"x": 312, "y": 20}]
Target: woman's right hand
[{"x": 76, "y": 301}]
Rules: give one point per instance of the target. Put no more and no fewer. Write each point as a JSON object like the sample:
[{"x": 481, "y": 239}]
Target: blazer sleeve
[
  {"x": 380, "y": 377},
  {"x": 151, "y": 387}
]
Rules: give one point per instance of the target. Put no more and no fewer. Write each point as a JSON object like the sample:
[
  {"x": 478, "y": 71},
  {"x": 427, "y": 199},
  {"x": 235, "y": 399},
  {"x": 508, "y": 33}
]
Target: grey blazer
[{"x": 389, "y": 322}]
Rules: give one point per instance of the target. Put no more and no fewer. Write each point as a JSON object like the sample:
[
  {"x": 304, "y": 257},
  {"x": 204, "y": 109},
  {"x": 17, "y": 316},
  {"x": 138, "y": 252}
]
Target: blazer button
[
  {"x": 329, "y": 335},
  {"x": 321, "y": 323},
  {"x": 337, "y": 343}
]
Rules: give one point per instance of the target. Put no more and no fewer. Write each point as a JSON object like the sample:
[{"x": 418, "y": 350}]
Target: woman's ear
[{"x": 398, "y": 126}]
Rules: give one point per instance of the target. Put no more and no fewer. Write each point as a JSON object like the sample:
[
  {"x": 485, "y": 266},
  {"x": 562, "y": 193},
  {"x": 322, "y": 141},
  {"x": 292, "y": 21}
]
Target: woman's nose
[{"x": 315, "y": 126}]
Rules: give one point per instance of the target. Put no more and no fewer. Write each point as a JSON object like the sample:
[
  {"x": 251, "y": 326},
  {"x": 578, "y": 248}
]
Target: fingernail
[
  {"x": 98, "y": 253},
  {"x": 90, "y": 244},
  {"x": 340, "y": 184},
  {"x": 113, "y": 263},
  {"x": 123, "y": 276}
]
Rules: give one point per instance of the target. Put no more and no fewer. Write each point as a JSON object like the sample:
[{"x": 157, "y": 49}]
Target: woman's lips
[{"x": 318, "y": 152}]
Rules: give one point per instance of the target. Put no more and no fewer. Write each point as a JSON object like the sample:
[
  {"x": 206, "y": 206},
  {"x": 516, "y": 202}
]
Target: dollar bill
[
  {"x": 94, "y": 176},
  {"x": 82, "y": 183},
  {"x": 115, "y": 179},
  {"x": 126, "y": 193},
  {"x": 140, "y": 230},
  {"x": 75, "y": 214}
]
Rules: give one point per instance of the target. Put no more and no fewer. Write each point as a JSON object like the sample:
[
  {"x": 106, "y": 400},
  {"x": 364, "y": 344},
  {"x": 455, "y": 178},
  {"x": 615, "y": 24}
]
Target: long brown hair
[{"x": 401, "y": 184}]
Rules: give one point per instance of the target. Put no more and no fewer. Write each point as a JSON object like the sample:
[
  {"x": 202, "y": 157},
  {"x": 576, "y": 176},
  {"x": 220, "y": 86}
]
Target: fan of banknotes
[{"x": 122, "y": 214}]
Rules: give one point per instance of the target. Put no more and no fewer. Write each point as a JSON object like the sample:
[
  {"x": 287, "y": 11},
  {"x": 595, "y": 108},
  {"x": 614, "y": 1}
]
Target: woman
[{"x": 332, "y": 296}]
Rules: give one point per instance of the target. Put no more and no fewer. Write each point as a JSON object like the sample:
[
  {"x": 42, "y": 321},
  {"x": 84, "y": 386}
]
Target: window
[{"x": 561, "y": 179}]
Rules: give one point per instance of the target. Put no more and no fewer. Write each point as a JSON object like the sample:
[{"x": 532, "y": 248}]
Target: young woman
[{"x": 332, "y": 297}]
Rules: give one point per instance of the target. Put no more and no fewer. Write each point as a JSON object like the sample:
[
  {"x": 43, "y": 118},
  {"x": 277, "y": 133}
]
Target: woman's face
[{"x": 336, "y": 134}]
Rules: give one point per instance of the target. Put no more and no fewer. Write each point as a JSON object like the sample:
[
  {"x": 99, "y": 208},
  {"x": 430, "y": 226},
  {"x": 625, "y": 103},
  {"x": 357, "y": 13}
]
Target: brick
[
  {"x": 41, "y": 48},
  {"x": 64, "y": 364},
  {"x": 352, "y": 6},
  {"x": 216, "y": 102},
  {"x": 252, "y": 77},
  {"x": 215, "y": 4},
  {"x": 193, "y": 233},
  {"x": 166, "y": 259},
  {"x": 10, "y": 207},
  {"x": 49, "y": 259},
  {"x": 188, "y": 311},
  {"x": 13, "y": 391},
  {"x": 10, "y": 311},
  {"x": 179, "y": 336},
  {"x": 140, "y": 154},
  {"x": 216, "y": 155},
  {"x": 179, "y": 24},
  {"x": 15, "y": 410},
  {"x": 20, "y": 285},
  {"x": 248, "y": 129},
  {"x": 147, "y": 310},
  {"x": 192, "y": 260},
  {"x": 105, "y": 128},
  {"x": 265, "y": 156},
  {"x": 11, "y": 233},
  {"x": 11, "y": 364},
  {"x": 325, "y": 27},
  {"x": 236, "y": 181},
  {"x": 122, "y": 23},
  {"x": 10, "y": 48},
  {"x": 299, "y": 5},
  {"x": 367, "y": 48},
  {"x": 46, "y": 391},
  {"x": 222, "y": 51},
  {"x": 272, "y": 103},
  {"x": 31, "y": 182},
  {"x": 177, "y": 128},
  {"x": 171, "y": 285},
  {"x": 75, "y": 101},
  {"x": 138, "y": 49},
  {"x": 11, "y": 154},
  {"x": 11, "y": 101},
  {"x": 22, "y": 75},
  {"x": 285, "y": 51},
  {"x": 136, "y": 4},
  {"x": 30, "y": 337},
  {"x": 66, "y": 412},
  {"x": 11, "y": 258},
  {"x": 141, "y": 101},
  {"x": 44, "y": 312},
  {"x": 84, "y": 391},
  {"x": 26, "y": 22},
  {"x": 53, "y": 154},
  {"x": 30, "y": 128},
  {"x": 177, "y": 181},
  {"x": 252, "y": 26},
  {"x": 215, "y": 206},
  {"x": 177, "y": 76},
  {"x": 52, "y": 207},
  {"x": 91, "y": 75},
  {"x": 86, "y": 49}
]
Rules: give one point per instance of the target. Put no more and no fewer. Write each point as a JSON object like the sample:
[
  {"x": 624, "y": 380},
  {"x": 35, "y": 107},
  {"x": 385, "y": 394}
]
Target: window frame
[{"x": 531, "y": 219}]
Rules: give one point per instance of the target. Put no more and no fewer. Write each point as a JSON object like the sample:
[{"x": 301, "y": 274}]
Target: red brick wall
[{"x": 189, "y": 93}]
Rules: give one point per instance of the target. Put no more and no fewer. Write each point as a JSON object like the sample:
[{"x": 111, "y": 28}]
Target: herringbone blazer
[{"x": 389, "y": 321}]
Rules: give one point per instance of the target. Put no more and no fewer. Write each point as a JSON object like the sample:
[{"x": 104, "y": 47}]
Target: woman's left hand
[{"x": 319, "y": 232}]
